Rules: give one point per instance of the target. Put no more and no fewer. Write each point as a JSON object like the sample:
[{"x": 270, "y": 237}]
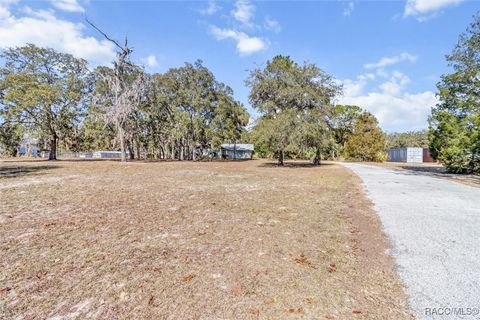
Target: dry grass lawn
[{"x": 185, "y": 240}]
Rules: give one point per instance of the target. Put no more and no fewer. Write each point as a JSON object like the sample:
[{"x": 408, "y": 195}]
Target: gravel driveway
[{"x": 434, "y": 227}]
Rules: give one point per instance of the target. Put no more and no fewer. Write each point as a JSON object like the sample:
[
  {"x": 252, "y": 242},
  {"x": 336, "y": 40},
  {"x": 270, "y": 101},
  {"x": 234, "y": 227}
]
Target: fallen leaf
[
  {"x": 188, "y": 278},
  {"x": 302, "y": 259},
  {"x": 255, "y": 312},
  {"x": 332, "y": 267},
  {"x": 295, "y": 310},
  {"x": 249, "y": 293},
  {"x": 5, "y": 289},
  {"x": 356, "y": 311}
]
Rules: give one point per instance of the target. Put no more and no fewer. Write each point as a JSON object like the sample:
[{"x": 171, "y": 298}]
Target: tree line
[
  {"x": 175, "y": 115},
  {"x": 185, "y": 112},
  {"x": 54, "y": 97}
]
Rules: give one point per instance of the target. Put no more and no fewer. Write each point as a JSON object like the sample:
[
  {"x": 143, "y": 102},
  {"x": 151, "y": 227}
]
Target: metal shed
[
  {"x": 107, "y": 155},
  {"x": 236, "y": 151},
  {"x": 411, "y": 155}
]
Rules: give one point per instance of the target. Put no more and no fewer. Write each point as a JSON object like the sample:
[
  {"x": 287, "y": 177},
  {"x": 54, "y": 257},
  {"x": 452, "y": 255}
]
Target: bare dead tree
[{"x": 124, "y": 88}]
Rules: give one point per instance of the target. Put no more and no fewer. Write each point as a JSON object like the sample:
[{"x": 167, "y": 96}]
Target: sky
[{"x": 388, "y": 55}]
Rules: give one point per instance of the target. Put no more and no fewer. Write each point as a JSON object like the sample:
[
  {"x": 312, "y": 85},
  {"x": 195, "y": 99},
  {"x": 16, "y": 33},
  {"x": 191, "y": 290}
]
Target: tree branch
[{"x": 104, "y": 34}]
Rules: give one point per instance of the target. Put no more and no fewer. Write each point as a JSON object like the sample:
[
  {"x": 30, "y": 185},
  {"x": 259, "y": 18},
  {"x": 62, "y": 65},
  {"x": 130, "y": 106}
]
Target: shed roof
[{"x": 238, "y": 146}]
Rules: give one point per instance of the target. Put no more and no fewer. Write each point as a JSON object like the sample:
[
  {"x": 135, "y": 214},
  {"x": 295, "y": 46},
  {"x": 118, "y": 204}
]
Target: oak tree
[{"x": 44, "y": 90}]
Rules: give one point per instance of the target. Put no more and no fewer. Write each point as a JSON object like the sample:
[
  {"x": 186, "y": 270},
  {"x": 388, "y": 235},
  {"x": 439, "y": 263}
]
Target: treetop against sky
[{"x": 388, "y": 55}]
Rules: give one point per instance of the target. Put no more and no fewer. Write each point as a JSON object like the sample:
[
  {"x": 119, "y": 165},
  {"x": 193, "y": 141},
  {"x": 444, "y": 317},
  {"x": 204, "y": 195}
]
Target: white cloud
[
  {"x": 4, "y": 8},
  {"x": 425, "y": 9},
  {"x": 404, "y": 112},
  {"x": 395, "y": 84},
  {"x": 42, "y": 28},
  {"x": 212, "y": 8},
  {"x": 151, "y": 61},
  {"x": 245, "y": 44},
  {"x": 353, "y": 88},
  {"x": 395, "y": 109},
  {"x": 271, "y": 24},
  {"x": 244, "y": 12},
  {"x": 391, "y": 88},
  {"x": 349, "y": 9},
  {"x": 243, "y": 22},
  {"x": 68, "y": 5},
  {"x": 387, "y": 61}
]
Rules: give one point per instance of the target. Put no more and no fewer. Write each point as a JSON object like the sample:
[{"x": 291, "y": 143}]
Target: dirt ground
[
  {"x": 431, "y": 169},
  {"x": 186, "y": 240}
]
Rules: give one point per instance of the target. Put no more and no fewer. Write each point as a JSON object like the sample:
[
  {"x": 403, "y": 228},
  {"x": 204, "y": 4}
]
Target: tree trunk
[
  {"x": 123, "y": 156},
  {"x": 173, "y": 150},
  {"x": 318, "y": 157},
  {"x": 131, "y": 154},
  {"x": 161, "y": 154},
  {"x": 280, "y": 158},
  {"x": 137, "y": 144},
  {"x": 53, "y": 147}
]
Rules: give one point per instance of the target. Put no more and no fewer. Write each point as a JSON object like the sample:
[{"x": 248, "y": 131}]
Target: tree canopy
[
  {"x": 192, "y": 110},
  {"x": 455, "y": 122},
  {"x": 44, "y": 90},
  {"x": 53, "y": 96},
  {"x": 418, "y": 139},
  {"x": 366, "y": 142},
  {"x": 296, "y": 105},
  {"x": 343, "y": 123},
  {"x": 185, "y": 113}
]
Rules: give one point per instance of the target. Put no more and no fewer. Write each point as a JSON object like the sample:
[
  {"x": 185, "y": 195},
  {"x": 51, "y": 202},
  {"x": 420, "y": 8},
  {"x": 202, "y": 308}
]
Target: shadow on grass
[
  {"x": 20, "y": 171},
  {"x": 293, "y": 165}
]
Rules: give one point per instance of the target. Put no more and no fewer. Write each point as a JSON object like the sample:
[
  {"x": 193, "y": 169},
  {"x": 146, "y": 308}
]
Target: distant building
[
  {"x": 29, "y": 147},
  {"x": 107, "y": 155},
  {"x": 235, "y": 151},
  {"x": 410, "y": 155}
]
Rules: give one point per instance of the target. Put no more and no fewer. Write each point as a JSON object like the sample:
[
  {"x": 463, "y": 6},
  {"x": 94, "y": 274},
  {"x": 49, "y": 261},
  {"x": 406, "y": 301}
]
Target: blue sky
[{"x": 388, "y": 54}]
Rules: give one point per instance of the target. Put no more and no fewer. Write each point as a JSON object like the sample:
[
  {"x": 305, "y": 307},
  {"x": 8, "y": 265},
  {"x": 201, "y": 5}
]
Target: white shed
[
  {"x": 107, "y": 155},
  {"x": 411, "y": 155}
]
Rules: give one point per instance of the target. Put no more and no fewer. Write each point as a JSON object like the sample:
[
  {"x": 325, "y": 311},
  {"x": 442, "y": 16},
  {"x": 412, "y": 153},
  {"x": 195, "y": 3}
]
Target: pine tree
[{"x": 455, "y": 122}]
